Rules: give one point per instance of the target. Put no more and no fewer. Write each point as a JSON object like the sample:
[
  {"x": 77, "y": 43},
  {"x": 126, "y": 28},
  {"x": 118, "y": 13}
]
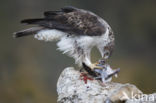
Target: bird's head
[{"x": 106, "y": 51}]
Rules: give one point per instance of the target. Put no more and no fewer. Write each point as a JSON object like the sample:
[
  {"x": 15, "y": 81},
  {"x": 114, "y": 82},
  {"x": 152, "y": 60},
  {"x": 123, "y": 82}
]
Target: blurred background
[{"x": 29, "y": 68}]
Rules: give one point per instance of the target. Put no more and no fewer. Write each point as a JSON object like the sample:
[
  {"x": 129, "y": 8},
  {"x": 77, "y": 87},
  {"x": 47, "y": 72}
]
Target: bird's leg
[
  {"x": 96, "y": 66},
  {"x": 92, "y": 66},
  {"x": 87, "y": 61},
  {"x": 99, "y": 64}
]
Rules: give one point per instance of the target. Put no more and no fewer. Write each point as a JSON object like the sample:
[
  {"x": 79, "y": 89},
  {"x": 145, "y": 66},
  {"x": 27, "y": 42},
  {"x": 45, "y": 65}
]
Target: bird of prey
[{"x": 77, "y": 32}]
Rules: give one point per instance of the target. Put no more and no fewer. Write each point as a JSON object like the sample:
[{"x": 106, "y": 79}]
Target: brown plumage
[{"x": 71, "y": 20}]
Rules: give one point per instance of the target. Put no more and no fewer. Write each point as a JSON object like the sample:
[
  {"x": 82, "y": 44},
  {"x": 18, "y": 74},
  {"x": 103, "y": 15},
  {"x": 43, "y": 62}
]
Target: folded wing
[{"x": 69, "y": 19}]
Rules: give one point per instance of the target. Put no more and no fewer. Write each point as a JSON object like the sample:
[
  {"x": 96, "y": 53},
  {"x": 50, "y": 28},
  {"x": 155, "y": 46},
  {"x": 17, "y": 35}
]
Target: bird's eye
[{"x": 107, "y": 53}]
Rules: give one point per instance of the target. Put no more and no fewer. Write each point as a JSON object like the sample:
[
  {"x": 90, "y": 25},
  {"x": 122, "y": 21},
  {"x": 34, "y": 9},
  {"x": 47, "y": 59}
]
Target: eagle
[{"x": 77, "y": 32}]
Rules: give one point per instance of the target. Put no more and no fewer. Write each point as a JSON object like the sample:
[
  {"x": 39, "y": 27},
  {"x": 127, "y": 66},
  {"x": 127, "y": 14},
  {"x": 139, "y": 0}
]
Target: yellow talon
[{"x": 95, "y": 66}]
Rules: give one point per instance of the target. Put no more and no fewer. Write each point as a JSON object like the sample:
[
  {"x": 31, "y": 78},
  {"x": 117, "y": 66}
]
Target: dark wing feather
[
  {"x": 68, "y": 9},
  {"x": 83, "y": 23},
  {"x": 51, "y": 14},
  {"x": 71, "y": 20}
]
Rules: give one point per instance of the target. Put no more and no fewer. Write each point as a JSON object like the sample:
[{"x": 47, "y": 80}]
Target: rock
[{"x": 72, "y": 89}]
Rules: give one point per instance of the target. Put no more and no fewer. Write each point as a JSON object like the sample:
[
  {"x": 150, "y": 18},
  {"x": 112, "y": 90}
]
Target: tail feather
[
  {"x": 32, "y": 21},
  {"x": 27, "y": 32},
  {"x": 45, "y": 22}
]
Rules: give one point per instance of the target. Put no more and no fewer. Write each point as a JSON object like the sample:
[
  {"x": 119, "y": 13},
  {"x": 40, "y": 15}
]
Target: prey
[{"x": 104, "y": 74}]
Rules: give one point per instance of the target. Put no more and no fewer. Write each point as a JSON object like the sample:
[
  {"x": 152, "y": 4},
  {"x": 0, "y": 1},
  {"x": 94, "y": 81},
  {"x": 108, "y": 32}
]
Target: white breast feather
[{"x": 67, "y": 44}]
